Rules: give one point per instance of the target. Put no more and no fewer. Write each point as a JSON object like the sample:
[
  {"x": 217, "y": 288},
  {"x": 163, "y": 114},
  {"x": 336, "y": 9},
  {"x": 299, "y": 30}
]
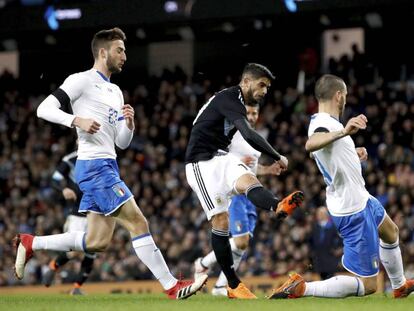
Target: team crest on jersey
[{"x": 118, "y": 191}]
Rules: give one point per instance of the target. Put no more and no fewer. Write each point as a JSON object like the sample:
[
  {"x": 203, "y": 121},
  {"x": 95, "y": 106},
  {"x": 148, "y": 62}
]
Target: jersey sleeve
[
  {"x": 232, "y": 108},
  {"x": 74, "y": 85},
  {"x": 321, "y": 124}
]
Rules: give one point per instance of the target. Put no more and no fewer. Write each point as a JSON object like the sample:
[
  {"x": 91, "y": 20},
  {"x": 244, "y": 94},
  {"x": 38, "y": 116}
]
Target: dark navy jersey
[
  {"x": 213, "y": 128},
  {"x": 64, "y": 177}
]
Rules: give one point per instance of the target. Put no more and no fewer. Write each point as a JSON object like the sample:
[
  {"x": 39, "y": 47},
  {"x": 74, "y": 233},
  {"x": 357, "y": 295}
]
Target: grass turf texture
[{"x": 200, "y": 302}]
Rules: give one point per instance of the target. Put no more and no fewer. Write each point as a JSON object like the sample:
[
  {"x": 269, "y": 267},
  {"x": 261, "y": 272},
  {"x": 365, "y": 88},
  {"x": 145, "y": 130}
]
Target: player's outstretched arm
[
  {"x": 259, "y": 143},
  {"x": 255, "y": 140},
  {"x": 321, "y": 139}
]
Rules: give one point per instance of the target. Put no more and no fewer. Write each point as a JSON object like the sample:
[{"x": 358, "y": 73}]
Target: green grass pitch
[{"x": 148, "y": 302}]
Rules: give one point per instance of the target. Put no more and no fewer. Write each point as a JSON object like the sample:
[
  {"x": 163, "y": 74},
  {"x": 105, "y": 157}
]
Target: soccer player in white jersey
[
  {"x": 102, "y": 120},
  {"x": 242, "y": 212},
  {"x": 368, "y": 233}
]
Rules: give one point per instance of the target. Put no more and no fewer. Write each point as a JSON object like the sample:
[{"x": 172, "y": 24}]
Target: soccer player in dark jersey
[
  {"x": 216, "y": 175},
  {"x": 63, "y": 181}
]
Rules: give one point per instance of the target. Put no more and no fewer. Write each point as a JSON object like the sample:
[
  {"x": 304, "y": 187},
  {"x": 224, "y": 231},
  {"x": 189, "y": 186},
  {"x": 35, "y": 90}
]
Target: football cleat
[
  {"x": 294, "y": 287},
  {"x": 185, "y": 289},
  {"x": 240, "y": 292},
  {"x": 23, "y": 245},
  {"x": 404, "y": 290},
  {"x": 289, "y": 204}
]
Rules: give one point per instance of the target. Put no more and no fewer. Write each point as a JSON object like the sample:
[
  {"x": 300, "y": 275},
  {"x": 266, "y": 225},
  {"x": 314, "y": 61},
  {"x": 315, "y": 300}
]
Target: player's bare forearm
[{"x": 320, "y": 140}]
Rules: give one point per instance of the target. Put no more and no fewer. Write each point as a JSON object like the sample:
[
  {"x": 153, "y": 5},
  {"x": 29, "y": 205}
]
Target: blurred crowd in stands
[{"x": 153, "y": 169}]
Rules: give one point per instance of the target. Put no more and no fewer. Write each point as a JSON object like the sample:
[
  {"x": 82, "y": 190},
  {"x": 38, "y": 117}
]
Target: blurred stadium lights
[
  {"x": 374, "y": 20},
  {"x": 258, "y": 24},
  {"x": 50, "y": 40},
  {"x": 140, "y": 33},
  {"x": 227, "y": 27},
  {"x": 52, "y": 16},
  {"x": 186, "y": 33},
  {"x": 9, "y": 44},
  {"x": 171, "y": 6},
  {"x": 291, "y": 5}
]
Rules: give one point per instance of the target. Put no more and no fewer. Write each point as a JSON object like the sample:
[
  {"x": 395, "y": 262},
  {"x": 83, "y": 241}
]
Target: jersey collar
[
  {"x": 324, "y": 113},
  {"x": 103, "y": 76}
]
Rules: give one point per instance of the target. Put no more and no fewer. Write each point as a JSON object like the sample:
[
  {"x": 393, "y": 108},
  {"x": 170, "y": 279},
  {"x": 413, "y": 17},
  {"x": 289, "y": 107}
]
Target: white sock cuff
[
  {"x": 142, "y": 240},
  {"x": 235, "y": 249},
  {"x": 390, "y": 246}
]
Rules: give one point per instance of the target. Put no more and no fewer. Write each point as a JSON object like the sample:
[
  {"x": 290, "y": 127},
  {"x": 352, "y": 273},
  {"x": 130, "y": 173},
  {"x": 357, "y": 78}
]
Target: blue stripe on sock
[
  {"x": 141, "y": 236},
  {"x": 390, "y": 247},
  {"x": 357, "y": 293},
  {"x": 84, "y": 242}
]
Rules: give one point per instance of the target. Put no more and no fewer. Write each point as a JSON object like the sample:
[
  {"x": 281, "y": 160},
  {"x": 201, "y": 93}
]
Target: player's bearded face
[
  {"x": 251, "y": 98},
  {"x": 112, "y": 65},
  {"x": 116, "y": 56}
]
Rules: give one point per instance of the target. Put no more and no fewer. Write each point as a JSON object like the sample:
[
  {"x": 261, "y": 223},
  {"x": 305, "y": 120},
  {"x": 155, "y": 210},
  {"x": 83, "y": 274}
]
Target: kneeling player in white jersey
[
  {"x": 242, "y": 212},
  {"x": 101, "y": 120},
  {"x": 368, "y": 233}
]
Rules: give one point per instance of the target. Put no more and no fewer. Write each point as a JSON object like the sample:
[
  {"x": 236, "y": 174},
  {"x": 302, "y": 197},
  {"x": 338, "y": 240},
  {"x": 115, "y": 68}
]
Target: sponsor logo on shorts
[
  {"x": 375, "y": 263},
  {"x": 118, "y": 191},
  {"x": 238, "y": 225},
  {"x": 219, "y": 200}
]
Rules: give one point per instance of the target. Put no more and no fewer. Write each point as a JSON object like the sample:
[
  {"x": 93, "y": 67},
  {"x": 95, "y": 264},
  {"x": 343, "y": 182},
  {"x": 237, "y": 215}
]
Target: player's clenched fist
[
  {"x": 355, "y": 124},
  {"x": 88, "y": 125},
  {"x": 128, "y": 113}
]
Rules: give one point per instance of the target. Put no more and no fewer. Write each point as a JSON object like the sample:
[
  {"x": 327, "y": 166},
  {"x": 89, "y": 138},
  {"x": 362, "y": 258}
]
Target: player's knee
[
  {"x": 245, "y": 182},
  {"x": 370, "y": 285},
  {"x": 395, "y": 232},
  {"x": 391, "y": 235},
  {"x": 220, "y": 221},
  {"x": 95, "y": 246},
  {"x": 242, "y": 245}
]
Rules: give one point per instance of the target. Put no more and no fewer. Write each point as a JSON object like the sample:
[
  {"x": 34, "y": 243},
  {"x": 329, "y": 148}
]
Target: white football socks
[
  {"x": 65, "y": 242},
  {"x": 390, "y": 255},
  {"x": 151, "y": 256},
  {"x": 336, "y": 287}
]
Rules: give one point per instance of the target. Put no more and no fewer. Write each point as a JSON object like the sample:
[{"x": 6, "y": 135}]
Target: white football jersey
[
  {"x": 93, "y": 96},
  {"x": 341, "y": 168},
  {"x": 240, "y": 148}
]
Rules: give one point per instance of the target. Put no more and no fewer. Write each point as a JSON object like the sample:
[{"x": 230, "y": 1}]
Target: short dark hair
[
  {"x": 253, "y": 104},
  {"x": 258, "y": 71},
  {"x": 327, "y": 86},
  {"x": 103, "y": 37}
]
